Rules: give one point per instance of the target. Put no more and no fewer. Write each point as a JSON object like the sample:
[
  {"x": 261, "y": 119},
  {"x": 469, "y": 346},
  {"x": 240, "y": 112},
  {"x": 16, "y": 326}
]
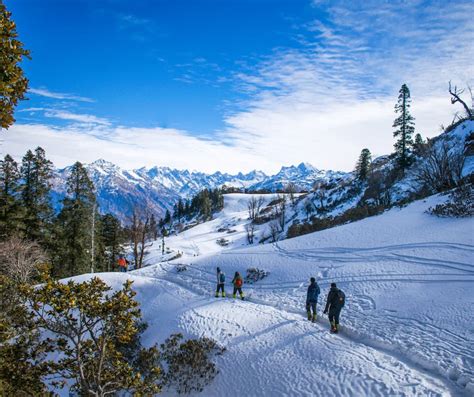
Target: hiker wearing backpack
[
  {"x": 312, "y": 299},
  {"x": 334, "y": 303},
  {"x": 220, "y": 282},
  {"x": 238, "y": 282}
]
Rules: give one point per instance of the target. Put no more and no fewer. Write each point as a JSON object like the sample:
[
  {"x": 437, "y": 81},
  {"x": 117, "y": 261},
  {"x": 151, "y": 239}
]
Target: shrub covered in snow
[
  {"x": 255, "y": 274},
  {"x": 460, "y": 204},
  {"x": 188, "y": 364},
  {"x": 180, "y": 267},
  {"x": 223, "y": 242}
]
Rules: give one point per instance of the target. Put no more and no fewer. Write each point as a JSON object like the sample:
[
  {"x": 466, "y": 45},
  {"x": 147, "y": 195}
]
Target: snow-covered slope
[{"x": 406, "y": 328}]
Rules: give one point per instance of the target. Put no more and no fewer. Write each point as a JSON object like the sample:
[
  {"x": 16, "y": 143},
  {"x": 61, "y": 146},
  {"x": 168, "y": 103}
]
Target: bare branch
[{"x": 456, "y": 97}]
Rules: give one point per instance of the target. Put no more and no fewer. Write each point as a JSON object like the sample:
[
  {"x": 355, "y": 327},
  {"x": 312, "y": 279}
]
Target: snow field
[
  {"x": 408, "y": 277},
  {"x": 406, "y": 328}
]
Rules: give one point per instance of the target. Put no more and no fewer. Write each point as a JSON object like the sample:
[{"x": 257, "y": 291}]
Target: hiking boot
[
  {"x": 223, "y": 294},
  {"x": 233, "y": 296},
  {"x": 309, "y": 316},
  {"x": 313, "y": 319}
]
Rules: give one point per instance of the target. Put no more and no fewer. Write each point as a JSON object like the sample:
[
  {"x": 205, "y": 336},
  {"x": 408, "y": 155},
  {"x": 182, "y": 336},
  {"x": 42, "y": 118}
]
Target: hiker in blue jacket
[
  {"x": 220, "y": 282},
  {"x": 312, "y": 299}
]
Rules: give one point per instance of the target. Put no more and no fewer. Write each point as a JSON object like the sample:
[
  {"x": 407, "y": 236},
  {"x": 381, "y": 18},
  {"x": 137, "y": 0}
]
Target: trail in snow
[
  {"x": 345, "y": 362},
  {"x": 407, "y": 275}
]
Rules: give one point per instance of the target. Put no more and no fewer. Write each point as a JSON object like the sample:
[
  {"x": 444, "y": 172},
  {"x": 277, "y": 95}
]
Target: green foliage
[
  {"x": 112, "y": 236},
  {"x": 11, "y": 210},
  {"x": 88, "y": 326},
  {"x": 36, "y": 172},
  {"x": 22, "y": 352},
  {"x": 363, "y": 165},
  {"x": 13, "y": 83},
  {"x": 404, "y": 125},
  {"x": 203, "y": 204},
  {"x": 74, "y": 238},
  {"x": 188, "y": 364}
]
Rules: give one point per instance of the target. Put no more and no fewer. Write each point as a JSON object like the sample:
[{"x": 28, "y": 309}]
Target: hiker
[
  {"x": 335, "y": 302},
  {"x": 312, "y": 299},
  {"x": 122, "y": 263},
  {"x": 238, "y": 282},
  {"x": 220, "y": 282}
]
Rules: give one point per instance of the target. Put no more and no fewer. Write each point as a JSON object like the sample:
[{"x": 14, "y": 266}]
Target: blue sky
[{"x": 233, "y": 85}]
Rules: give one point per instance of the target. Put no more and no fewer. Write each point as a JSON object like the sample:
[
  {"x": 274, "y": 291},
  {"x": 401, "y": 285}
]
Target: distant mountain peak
[{"x": 159, "y": 188}]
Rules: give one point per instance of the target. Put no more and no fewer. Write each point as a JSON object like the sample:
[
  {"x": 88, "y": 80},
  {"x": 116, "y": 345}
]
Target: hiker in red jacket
[
  {"x": 238, "y": 282},
  {"x": 122, "y": 263}
]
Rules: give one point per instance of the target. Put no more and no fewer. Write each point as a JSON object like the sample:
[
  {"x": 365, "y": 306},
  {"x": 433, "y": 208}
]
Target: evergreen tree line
[
  {"x": 203, "y": 205},
  {"x": 77, "y": 239}
]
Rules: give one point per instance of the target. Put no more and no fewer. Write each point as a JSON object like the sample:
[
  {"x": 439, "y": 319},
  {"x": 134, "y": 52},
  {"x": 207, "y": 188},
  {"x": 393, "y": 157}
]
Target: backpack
[
  {"x": 238, "y": 282},
  {"x": 341, "y": 298},
  {"x": 222, "y": 277}
]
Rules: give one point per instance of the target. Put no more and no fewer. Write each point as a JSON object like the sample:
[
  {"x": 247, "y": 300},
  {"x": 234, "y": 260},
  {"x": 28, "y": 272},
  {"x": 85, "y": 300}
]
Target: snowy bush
[
  {"x": 223, "y": 242},
  {"x": 459, "y": 205},
  {"x": 188, "y": 364},
  {"x": 181, "y": 268},
  {"x": 255, "y": 274}
]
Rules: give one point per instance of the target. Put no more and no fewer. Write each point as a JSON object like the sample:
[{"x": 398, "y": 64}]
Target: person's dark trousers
[
  {"x": 334, "y": 317},
  {"x": 311, "y": 306},
  {"x": 240, "y": 292},
  {"x": 220, "y": 287}
]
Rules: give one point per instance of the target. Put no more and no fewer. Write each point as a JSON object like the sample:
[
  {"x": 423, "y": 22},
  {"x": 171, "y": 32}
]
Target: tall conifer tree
[
  {"x": 405, "y": 127},
  {"x": 75, "y": 223},
  {"x": 10, "y": 206},
  {"x": 36, "y": 172}
]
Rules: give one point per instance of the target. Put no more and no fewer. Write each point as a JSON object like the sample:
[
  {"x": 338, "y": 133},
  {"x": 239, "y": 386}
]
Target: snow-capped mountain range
[{"x": 159, "y": 188}]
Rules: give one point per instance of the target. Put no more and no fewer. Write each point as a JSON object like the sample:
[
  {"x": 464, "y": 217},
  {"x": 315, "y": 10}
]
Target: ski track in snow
[
  {"x": 278, "y": 330},
  {"x": 407, "y": 328}
]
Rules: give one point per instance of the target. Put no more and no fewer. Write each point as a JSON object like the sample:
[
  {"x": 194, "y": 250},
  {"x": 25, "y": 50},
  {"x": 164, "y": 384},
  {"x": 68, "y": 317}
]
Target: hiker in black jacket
[{"x": 334, "y": 303}]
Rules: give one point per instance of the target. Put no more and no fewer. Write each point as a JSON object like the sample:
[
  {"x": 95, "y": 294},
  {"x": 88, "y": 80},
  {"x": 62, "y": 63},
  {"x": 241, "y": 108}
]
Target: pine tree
[
  {"x": 75, "y": 223},
  {"x": 167, "y": 217},
  {"x": 36, "y": 172},
  {"x": 13, "y": 83},
  {"x": 206, "y": 204},
  {"x": 113, "y": 237},
  {"x": 153, "y": 227},
  {"x": 180, "y": 209},
  {"x": 417, "y": 147},
  {"x": 404, "y": 125},
  {"x": 10, "y": 207},
  {"x": 363, "y": 164}
]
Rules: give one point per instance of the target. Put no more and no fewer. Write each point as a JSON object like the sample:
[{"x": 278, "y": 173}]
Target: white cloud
[
  {"x": 80, "y": 118},
  {"x": 321, "y": 102},
  {"x": 129, "y": 147},
  {"x": 263, "y": 139},
  {"x": 58, "y": 95}
]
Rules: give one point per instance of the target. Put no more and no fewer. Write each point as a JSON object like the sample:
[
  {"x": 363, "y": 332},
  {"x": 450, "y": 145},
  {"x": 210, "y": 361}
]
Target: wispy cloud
[
  {"x": 199, "y": 70},
  {"x": 58, "y": 95},
  {"x": 320, "y": 101},
  {"x": 325, "y": 100},
  {"x": 80, "y": 118}
]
